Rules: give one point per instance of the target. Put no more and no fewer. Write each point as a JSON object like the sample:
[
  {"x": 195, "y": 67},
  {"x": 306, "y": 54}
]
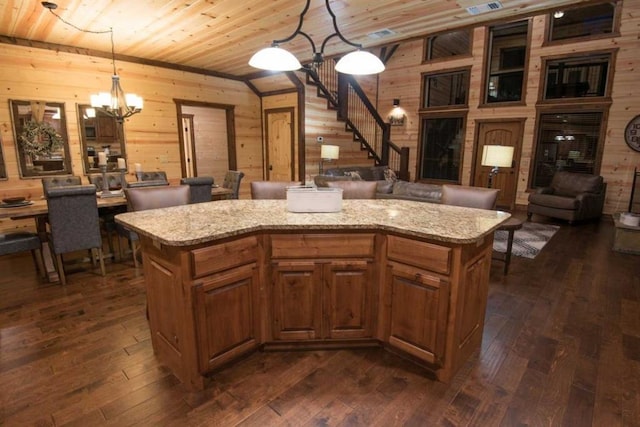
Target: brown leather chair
[
  {"x": 469, "y": 197},
  {"x": 571, "y": 196},
  {"x": 271, "y": 189},
  {"x": 355, "y": 189},
  {"x": 154, "y": 197}
]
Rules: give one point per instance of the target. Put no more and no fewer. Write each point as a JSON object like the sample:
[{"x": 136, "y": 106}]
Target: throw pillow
[
  {"x": 390, "y": 175},
  {"x": 354, "y": 175}
]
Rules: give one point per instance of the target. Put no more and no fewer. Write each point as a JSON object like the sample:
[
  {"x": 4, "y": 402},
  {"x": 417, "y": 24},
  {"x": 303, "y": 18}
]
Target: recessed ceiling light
[{"x": 558, "y": 14}]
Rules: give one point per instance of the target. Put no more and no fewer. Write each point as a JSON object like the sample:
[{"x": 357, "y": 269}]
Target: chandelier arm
[
  {"x": 297, "y": 31},
  {"x": 335, "y": 26}
]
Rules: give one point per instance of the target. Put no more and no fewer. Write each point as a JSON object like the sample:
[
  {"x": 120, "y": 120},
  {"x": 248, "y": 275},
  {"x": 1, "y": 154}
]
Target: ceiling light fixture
[
  {"x": 115, "y": 103},
  {"x": 275, "y": 58},
  {"x": 558, "y": 14}
]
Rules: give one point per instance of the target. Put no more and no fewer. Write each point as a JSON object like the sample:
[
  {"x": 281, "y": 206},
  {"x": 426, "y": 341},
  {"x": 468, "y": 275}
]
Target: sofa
[
  {"x": 388, "y": 186},
  {"x": 570, "y": 196}
]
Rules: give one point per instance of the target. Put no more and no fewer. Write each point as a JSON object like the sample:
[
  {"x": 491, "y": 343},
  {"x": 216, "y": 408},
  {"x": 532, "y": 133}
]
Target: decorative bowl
[{"x": 13, "y": 200}]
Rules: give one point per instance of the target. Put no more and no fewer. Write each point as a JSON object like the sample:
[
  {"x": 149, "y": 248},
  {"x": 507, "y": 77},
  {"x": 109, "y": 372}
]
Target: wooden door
[
  {"x": 280, "y": 151},
  {"x": 499, "y": 133}
]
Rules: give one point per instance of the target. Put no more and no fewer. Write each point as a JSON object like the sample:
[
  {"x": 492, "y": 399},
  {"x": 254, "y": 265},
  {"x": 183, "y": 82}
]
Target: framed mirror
[
  {"x": 99, "y": 132},
  {"x": 40, "y": 133},
  {"x": 3, "y": 168}
]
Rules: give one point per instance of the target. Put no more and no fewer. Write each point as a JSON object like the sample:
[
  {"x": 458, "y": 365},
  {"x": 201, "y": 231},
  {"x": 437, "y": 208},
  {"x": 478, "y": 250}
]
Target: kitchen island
[{"x": 229, "y": 277}]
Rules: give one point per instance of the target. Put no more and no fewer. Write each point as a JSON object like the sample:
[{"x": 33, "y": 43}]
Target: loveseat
[
  {"x": 388, "y": 186},
  {"x": 570, "y": 196}
]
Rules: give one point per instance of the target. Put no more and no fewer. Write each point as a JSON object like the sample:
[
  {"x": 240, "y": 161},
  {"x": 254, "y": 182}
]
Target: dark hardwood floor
[{"x": 561, "y": 348}]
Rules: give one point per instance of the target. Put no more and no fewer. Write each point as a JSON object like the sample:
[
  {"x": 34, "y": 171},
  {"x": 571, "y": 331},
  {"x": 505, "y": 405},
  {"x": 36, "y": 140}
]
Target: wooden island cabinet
[{"x": 260, "y": 277}]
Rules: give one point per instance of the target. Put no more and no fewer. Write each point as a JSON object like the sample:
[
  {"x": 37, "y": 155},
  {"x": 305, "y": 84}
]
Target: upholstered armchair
[{"x": 571, "y": 196}]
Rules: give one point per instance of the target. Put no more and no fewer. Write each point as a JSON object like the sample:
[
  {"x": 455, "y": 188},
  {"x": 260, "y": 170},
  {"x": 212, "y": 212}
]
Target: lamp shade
[
  {"x": 329, "y": 152},
  {"x": 497, "y": 155},
  {"x": 360, "y": 63},
  {"x": 274, "y": 59}
]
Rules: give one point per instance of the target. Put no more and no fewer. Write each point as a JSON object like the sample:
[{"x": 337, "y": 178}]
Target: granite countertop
[{"x": 203, "y": 222}]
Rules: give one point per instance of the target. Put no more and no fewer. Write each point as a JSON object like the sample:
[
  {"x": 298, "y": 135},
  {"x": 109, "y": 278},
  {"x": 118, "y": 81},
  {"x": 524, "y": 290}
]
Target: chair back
[
  {"x": 200, "y": 187},
  {"x": 139, "y": 199},
  {"x": 271, "y": 189},
  {"x": 470, "y": 197},
  {"x": 73, "y": 218},
  {"x": 59, "y": 181},
  {"x": 232, "y": 182},
  {"x": 139, "y": 184},
  {"x": 113, "y": 179},
  {"x": 152, "y": 176},
  {"x": 355, "y": 189}
]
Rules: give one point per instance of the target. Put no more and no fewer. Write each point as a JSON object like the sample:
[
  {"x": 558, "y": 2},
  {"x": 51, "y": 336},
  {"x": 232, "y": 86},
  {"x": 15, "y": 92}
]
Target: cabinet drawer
[
  {"x": 419, "y": 254},
  {"x": 220, "y": 257},
  {"x": 322, "y": 245}
]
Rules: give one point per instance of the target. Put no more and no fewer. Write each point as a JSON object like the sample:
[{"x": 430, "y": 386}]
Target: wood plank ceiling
[{"x": 220, "y": 36}]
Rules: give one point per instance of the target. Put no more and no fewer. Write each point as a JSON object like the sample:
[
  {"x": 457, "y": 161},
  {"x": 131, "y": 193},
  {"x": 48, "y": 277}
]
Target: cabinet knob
[{"x": 175, "y": 339}]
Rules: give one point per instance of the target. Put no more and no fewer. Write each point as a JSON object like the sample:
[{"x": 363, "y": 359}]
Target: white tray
[{"x": 313, "y": 199}]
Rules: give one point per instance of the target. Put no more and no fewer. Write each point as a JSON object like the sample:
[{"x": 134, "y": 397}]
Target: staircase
[{"x": 344, "y": 94}]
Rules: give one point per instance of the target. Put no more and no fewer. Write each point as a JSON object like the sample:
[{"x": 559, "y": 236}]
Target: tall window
[
  {"x": 446, "y": 89},
  {"x": 568, "y": 141},
  {"x": 577, "y": 77},
  {"x": 441, "y": 145},
  {"x": 448, "y": 45},
  {"x": 590, "y": 21},
  {"x": 506, "y": 62}
]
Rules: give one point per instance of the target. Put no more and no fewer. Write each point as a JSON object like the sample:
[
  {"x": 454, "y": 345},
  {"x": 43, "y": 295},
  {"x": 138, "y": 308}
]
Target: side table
[{"x": 510, "y": 226}]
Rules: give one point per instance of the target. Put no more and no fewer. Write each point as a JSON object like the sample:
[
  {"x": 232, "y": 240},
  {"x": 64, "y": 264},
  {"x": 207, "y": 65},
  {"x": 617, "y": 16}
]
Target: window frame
[
  {"x": 568, "y": 109},
  {"x": 427, "y": 44},
  {"x": 617, "y": 18},
  {"x": 423, "y": 87},
  {"x": 486, "y": 72},
  {"x": 606, "y": 99},
  {"x": 461, "y": 114}
]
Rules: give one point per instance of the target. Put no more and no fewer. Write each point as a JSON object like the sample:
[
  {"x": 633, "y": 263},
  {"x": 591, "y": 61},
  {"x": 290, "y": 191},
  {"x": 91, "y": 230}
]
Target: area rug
[{"x": 528, "y": 241}]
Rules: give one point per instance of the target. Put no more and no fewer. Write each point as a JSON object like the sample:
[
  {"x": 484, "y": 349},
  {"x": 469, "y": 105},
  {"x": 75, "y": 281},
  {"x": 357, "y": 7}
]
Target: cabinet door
[
  {"x": 297, "y": 309},
  {"x": 226, "y": 315},
  {"x": 347, "y": 299},
  {"x": 419, "y": 309}
]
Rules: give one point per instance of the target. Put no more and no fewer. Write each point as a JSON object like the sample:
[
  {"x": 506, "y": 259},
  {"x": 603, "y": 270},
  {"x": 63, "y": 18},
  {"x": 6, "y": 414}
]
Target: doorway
[
  {"x": 207, "y": 139},
  {"x": 280, "y": 147},
  {"x": 503, "y": 132}
]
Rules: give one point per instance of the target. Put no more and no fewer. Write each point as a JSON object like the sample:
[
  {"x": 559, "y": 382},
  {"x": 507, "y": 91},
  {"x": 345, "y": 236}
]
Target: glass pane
[
  {"x": 577, "y": 77},
  {"x": 582, "y": 22},
  {"x": 507, "y": 58},
  {"x": 567, "y": 142},
  {"x": 446, "y": 89},
  {"x": 441, "y": 148},
  {"x": 40, "y": 132},
  {"x": 450, "y": 44},
  {"x": 100, "y": 132}
]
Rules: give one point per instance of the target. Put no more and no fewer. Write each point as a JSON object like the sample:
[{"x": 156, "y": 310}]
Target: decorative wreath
[{"x": 39, "y": 139}]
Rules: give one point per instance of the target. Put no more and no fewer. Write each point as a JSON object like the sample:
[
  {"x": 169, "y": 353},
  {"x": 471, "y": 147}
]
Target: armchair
[{"x": 571, "y": 196}]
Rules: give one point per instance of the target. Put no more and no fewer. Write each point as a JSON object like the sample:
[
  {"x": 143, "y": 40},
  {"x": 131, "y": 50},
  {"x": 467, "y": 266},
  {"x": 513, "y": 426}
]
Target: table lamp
[
  {"x": 328, "y": 153},
  {"x": 496, "y": 156}
]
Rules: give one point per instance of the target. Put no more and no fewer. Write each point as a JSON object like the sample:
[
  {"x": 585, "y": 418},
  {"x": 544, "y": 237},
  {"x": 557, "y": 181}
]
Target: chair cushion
[
  {"x": 554, "y": 201},
  {"x": 12, "y": 243},
  {"x": 571, "y": 184}
]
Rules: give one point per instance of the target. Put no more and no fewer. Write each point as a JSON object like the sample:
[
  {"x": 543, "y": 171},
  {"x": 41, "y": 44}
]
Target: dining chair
[
  {"x": 470, "y": 197},
  {"x": 140, "y": 184},
  {"x": 74, "y": 224},
  {"x": 356, "y": 189},
  {"x": 107, "y": 215},
  {"x": 22, "y": 241},
  {"x": 271, "y": 189},
  {"x": 200, "y": 187},
  {"x": 59, "y": 181},
  {"x": 114, "y": 179},
  {"x": 154, "y": 197},
  {"x": 232, "y": 182},
  {"x": 152, "y": 176}
]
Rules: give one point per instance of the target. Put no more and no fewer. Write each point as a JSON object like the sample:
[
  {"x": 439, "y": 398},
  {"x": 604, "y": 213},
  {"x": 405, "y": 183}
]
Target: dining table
[{"x": 38, "y": 210}]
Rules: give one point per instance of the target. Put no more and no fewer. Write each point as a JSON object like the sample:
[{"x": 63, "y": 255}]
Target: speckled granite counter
[{"x": 203, "y": 222}]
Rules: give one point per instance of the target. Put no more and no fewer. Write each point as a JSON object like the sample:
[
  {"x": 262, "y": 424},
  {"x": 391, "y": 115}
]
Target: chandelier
[
  {"x": 114, "y": 103},
  {"x": 275, "y": 58}
]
